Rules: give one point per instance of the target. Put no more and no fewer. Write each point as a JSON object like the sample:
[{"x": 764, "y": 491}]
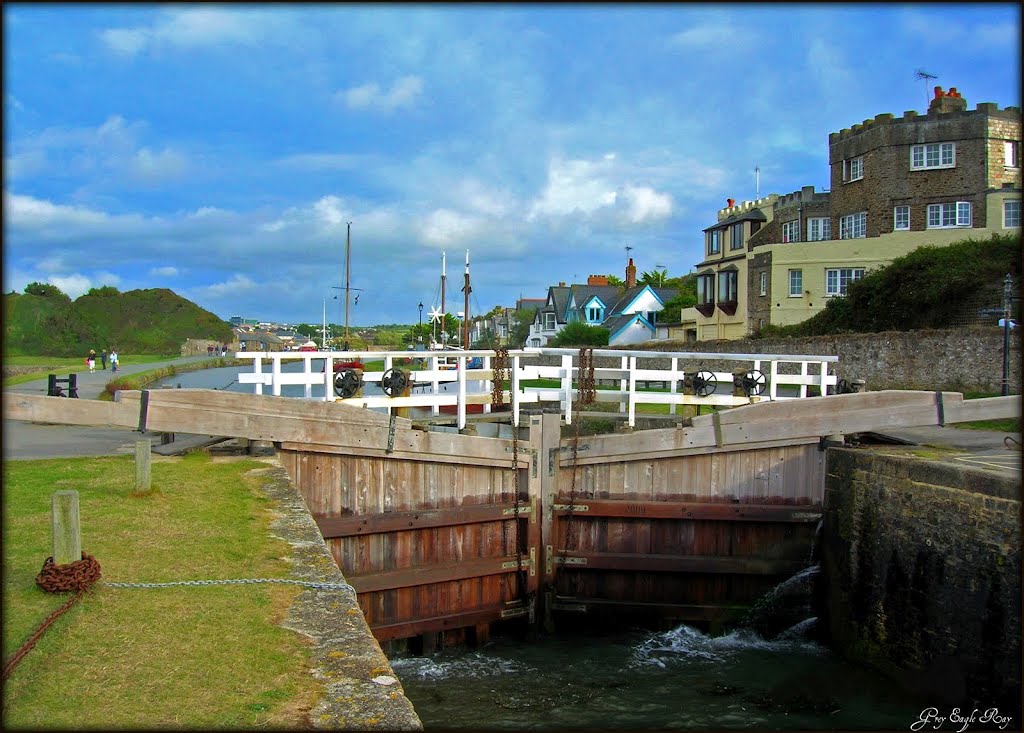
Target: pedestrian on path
[
  {"x": 91, "y": 360},
  {"x": 103, "y": 360},
  {"x": 113, "y": 360}
]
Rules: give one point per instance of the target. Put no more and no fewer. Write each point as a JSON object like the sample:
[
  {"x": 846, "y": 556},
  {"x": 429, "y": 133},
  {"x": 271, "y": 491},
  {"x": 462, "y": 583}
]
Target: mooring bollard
[
  {"x": 67, "y": 535},
  {"x": 142, "y": 458}
]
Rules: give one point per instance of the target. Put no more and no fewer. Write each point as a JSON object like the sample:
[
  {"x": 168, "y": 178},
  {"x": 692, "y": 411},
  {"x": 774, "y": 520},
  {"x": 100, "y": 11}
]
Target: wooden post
[
  {"x": 142, "y": 459},
  {"x": 547, "y": 465},
  {"x": 67, "y": 536}
]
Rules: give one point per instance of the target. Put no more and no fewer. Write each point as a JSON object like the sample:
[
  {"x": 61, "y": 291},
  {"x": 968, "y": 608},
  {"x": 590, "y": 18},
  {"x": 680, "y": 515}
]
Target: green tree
[
  {"x": 615, "y": 280},
  {"x": 522, "y": 319},
  {"x": 105, "y": 291},
  {"x": 45, "y": 290},
  {"x": 655, "y": 278},
  {"x": 578, "y": 333}
]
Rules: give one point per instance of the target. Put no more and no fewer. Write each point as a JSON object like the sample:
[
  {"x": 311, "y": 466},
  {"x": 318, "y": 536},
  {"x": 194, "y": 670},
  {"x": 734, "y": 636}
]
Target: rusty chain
[
  {"x": 501, "y": 376},
  {"x": 81, "y": 575},
  {"x": 585, "y": 394}
]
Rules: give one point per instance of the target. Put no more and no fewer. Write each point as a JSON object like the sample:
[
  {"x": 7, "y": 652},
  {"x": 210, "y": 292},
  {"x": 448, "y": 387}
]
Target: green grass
[{"x": 189, "y": 657}]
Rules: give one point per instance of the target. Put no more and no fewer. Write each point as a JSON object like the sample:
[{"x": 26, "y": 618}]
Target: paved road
[{"x": 33, "y": 440}]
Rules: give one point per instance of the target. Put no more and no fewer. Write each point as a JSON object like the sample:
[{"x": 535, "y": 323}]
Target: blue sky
[{"x": 219, "y": 151}]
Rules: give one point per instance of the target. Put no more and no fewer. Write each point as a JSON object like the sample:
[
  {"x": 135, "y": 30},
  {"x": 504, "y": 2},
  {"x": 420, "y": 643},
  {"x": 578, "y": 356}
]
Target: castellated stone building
[{"x": 896, "y": 184}]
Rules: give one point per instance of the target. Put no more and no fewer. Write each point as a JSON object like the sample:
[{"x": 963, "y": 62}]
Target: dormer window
[{"x": 595, "y": 314}]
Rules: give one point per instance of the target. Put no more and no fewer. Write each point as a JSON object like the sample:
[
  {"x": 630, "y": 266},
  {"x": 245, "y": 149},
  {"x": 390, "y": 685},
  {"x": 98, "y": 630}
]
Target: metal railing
[{"x": 458, "y": 379}]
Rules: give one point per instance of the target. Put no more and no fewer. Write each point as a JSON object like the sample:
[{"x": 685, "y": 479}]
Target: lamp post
[
  {"x": 419, "y": 328},
  {"x": 1007, "y": 297}
]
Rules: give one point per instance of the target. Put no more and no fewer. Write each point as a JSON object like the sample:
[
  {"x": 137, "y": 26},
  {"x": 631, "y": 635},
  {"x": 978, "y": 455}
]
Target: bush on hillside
[
  {"x": 580, "y": 334},
  {"x": 926, "y": 288}
]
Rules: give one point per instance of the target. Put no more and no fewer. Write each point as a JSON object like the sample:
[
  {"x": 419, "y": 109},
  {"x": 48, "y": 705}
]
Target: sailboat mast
[
  {"x": 444, "y": 332},
  {"x": 465, "y": 319},
  {"x": 348, "y": 264}
]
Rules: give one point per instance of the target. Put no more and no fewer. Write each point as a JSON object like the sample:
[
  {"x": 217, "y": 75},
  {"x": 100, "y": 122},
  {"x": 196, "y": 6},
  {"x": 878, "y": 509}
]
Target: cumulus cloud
[
  {"x": 403, "y": 93},
  {"x": 156, "y": 167},
  {"x": 73, "y": 285},
  {"x": 445, "y": 227},
  {"x": 165, "y": 271},
  {"x": 189, "y": 28},
  {"x": 582, "y": 187},
  {"x": 27, "y": 212}
]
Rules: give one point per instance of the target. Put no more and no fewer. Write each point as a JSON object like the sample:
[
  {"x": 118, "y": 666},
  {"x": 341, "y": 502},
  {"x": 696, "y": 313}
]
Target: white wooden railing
[{"x": 436, "y": 384}]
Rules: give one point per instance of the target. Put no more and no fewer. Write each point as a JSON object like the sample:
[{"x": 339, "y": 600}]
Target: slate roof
[{"x": 751, "y": 215}]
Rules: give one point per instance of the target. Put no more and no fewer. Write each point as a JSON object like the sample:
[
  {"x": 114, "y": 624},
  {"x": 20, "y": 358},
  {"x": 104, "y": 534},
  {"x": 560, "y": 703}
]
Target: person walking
[
  {"x": 91, "y": 360},
  {"x": 103, "y": 360},
  {"x": 113, "y": 360}
]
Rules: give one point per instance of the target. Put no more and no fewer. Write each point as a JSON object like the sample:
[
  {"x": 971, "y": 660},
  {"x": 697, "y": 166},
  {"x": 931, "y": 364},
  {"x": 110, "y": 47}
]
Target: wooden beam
[
  {"x": 740, "y": 512},
  {"x": 438, "y": 573},
  {"x": 406, "y": 629},
  {"x": 648, "y": 563},
  {"x": 684, "y": 611},
  {"x": 68, "y": 411},
  {"x": 333, "y": 527}
]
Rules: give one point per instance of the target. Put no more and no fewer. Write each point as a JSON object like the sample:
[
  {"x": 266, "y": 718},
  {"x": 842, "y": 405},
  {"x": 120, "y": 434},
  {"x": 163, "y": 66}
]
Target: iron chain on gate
[
  {"x": 585, "y": 395},
  {"x": 500, "y": 377}
]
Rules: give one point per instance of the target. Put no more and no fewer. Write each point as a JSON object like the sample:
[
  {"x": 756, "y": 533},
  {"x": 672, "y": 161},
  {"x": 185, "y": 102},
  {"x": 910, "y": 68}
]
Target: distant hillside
[{"x": 44, "y": 321}]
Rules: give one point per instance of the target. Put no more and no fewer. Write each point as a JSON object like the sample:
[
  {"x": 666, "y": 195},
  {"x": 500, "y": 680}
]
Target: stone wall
[
  {"x": 956, "y": 360},
  {"x": 920, "y": 576}
]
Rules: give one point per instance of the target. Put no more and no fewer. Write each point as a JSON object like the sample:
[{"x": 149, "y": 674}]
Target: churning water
[{"x": 640, "y": 680}]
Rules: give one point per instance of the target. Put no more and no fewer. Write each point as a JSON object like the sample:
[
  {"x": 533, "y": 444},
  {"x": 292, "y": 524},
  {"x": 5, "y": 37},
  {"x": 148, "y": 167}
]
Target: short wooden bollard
[
  {"x": 67, "y": 535},
  {"x": 142, "y": 459}
]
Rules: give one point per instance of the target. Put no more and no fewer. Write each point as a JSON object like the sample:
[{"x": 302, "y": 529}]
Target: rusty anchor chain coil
[{"x": 78, "y": 576}]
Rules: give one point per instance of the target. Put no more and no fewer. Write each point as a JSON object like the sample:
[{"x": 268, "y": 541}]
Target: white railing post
[
  {"x": 257, "y": 367},
  {"x": 803, "y": 373},
  {"x": 307, "y": 370},
  {"x": 487, "y": 365},
  {"x": 514, "y": 397},
  {"x": 275, "y": 370},
  {"x": 623, "y": 365},
  {"x": 329, "y": 377},
  {"x": 462, "y": 392},
  {"x": 773, "y": 389},
  {"x": 631, "y": 397},
  {"x": 672, "y": 385},
  {"x": 566, "y": 387}
]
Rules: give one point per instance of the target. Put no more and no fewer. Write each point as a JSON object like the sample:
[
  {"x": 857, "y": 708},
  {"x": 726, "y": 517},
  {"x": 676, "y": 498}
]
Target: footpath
[{"x": 23, "y": 440}]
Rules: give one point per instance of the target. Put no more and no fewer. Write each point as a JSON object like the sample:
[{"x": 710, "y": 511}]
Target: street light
[{"x": 419, "y": 335}]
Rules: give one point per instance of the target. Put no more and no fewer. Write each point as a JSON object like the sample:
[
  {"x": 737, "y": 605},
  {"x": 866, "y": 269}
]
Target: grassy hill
[{"x": 44, "y": 321}]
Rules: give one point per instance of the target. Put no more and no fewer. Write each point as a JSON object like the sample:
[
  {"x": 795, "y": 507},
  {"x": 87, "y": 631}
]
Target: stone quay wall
[
  {"x": 956, "y": 360},
  {"x": 921, "y": 575}
]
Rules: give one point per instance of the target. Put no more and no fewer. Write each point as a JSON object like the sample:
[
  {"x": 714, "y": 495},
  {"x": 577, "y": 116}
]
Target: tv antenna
[
  {"x": 924, "y": 76},
  {"x": 628, "y": 250}
]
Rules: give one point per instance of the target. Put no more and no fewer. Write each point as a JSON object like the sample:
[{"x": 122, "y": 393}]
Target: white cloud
[
  {"x": 704, "y": 36},
  {"x": 574, "y": 186},
  {"x": 403, "y": 93},
  {"x": 645, "y": 203},
  {"x": 238, "y": 284},
  {"x": 73, "y": 285},
  {"x": 165, "y": 271},
  {"x": 321, "y": 161},
  {"x": 190, "y": 28},
  {"x": 447, "y": 228},
  {"x": 156, "y": 167},
  {"x": 27, "y": 212},
  {"x": 126, "y": 41}
]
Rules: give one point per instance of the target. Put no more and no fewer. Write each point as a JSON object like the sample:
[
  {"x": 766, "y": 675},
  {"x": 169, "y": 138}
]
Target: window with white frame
[
  {"x": 901, "y": 218},
  {"x": 549, "y": 321},
  {"x": 714, "y": 241},
  {"x": 1011, "y": 213},
  {"x": 950, "y": 214},
  {"x": 595, "y": 314},
  {"x": 796, "y": 283},
  {"x": 819, "y": 228},
  {"x": 853, "y": 169},
  {"x": 853, "y": 226},
  {"x": 1011, "y": 154},
  {"x": 932, "y": 155},
  {"x": 764, "y": 281},
  {"x": 791, "y": 231},
  {"x": 837, "y": 280},
  {"x": 736, "y": 234}
]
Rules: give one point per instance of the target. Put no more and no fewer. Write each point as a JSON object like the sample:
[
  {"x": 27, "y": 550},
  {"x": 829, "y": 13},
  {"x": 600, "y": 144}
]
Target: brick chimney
[
  {"x": 950, "y": 101},
  {"x": 561, "y": 284},
  {"x": 630, "y": 274},
  {"x": 597, "y": 280}
]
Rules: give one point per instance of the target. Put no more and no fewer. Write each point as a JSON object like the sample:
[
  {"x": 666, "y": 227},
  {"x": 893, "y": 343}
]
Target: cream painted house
[{"x": 896, "y": 185}]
